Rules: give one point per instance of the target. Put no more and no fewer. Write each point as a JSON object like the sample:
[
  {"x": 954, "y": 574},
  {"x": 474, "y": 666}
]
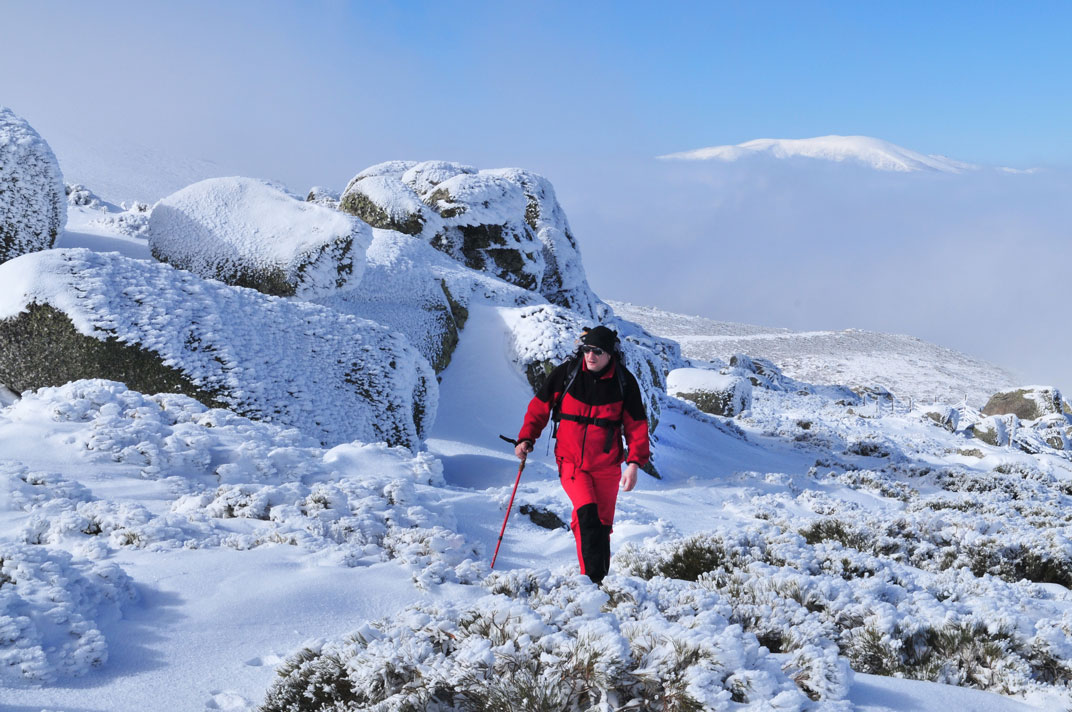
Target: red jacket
[{"x": 595, "y": 413}]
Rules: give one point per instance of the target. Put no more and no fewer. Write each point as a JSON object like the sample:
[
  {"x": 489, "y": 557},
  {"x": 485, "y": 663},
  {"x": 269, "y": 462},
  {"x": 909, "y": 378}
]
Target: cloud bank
[{"x": 978, "y": 261}]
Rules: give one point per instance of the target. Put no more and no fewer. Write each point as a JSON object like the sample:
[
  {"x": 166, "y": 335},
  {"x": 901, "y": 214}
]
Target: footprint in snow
[
  {"x": 270, "y": 659},
  {"x": 224, "y": 700}
]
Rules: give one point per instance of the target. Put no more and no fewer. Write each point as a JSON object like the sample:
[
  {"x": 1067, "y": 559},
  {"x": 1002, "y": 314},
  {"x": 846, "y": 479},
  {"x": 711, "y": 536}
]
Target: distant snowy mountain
[
  {"x": 873, "y": 152},
  {"x": 906, "y": 366}
]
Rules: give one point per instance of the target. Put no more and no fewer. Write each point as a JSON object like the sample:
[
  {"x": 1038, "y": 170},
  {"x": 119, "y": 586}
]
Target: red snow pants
[{"x": 593, "y": 494}]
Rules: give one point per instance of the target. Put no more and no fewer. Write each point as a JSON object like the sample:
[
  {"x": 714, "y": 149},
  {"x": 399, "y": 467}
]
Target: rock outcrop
[
  {"x": 1029, "y": 403},
  {"x": 504, "y": 222},
  {"x": 33, "y": 203},
  {"x": 418, "y": 291},
  {"x": 248, "y": 233},
  {"x": 726, "y": 394},
  {"x": 67, "y": 315}
]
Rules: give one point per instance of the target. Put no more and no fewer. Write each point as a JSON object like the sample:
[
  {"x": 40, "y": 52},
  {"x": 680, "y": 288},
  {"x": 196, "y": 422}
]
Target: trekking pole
[{"x": 509, "y": 506}]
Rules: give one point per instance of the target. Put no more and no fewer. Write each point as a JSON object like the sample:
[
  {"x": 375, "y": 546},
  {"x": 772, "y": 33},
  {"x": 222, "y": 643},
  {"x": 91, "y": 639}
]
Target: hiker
[{"x": 593, "y": 400}]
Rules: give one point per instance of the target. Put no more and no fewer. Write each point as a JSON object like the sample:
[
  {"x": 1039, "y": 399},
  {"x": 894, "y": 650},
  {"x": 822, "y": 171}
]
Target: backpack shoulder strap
[{"x": 571, "y": 376}]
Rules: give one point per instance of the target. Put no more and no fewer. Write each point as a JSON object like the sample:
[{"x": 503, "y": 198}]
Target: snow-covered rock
[
  {"x": 716, "y": 393},
  {"x": 33, "y": 204},
  {"x": 996, "y": 430},
  {"x": 1027, "y": 403},
  {"x": 323, "y": 196},
  {"x": 505, "y": 222},
  {"x": 71, "y": 314},
  {"x": 420, "y": 292},
  {"x": 248, "y": 233}
]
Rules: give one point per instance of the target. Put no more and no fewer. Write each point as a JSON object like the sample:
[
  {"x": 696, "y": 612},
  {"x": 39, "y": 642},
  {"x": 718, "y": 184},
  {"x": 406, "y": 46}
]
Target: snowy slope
[
  {"x": 909, "y": 368},
  {"x": 864, "y": 150},
  {"x": 229, "y": 545}
]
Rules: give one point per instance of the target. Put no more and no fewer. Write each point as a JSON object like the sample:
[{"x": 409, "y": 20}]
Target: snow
[
  {"x": 334, "y": 376},
  {"x": 241, "y": 229},
  {"x": 33, "y": 208},
  {"x": 183, "y": 553},
  {"x": 911, "y": 369},
  {"x": 865, "y": 150},
  {"x": 515, "y": 211}
]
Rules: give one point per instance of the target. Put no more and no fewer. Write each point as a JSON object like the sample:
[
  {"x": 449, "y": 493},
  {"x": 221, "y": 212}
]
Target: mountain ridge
[{"x": 872, "y": 152}]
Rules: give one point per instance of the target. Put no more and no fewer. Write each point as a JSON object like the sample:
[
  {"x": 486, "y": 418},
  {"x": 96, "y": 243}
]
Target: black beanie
[{"x": 601, "y": 337}]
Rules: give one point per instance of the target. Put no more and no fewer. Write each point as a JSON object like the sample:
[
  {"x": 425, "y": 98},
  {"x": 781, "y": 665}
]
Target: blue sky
[
  {"x": 343, "y": 84},
  {"x": 588, "y": 93}
]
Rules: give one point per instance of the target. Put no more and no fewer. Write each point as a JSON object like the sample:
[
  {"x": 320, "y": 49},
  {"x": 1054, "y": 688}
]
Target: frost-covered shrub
[
  {"x": 548, "y": 643},
  {"x": 248, "y": 233},
  {"x": 74, "y": 314},
  {"x": 33, "y": 205},
  {"x": 882, "y": 616},
  {"x": 235, "y": 483},
  {"x": 51, "y": 610},
  {"x": 711, "y": 391},
  {"x": 870, "y": 446}
]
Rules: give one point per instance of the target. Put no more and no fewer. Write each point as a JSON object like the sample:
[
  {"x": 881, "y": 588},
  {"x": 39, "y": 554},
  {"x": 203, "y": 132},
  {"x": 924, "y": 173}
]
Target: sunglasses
[{"x": 594, "y": 350}]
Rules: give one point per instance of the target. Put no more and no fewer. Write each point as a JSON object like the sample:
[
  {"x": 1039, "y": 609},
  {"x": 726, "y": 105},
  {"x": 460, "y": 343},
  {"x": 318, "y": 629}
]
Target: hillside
[
  {"x": 909, "y": 368},
  {"x": 813, "y": 552}
]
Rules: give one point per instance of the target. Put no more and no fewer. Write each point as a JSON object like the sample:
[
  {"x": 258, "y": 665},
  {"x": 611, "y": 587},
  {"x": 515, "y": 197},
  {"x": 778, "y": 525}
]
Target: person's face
[{"x": 595, "y": 359}]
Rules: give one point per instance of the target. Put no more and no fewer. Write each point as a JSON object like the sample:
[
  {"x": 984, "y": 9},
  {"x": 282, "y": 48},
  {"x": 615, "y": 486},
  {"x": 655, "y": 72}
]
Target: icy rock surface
[
  {"x": 248, "y": 233},
  {"x": 33, "y": 204},
  {"x": 335, "y": 377},
  {"x": 506, "y": 222},
  {"x": 420, "y": 292},
  {"x": 1027, "y": 403},
  {"x": 717, "y": 393}
]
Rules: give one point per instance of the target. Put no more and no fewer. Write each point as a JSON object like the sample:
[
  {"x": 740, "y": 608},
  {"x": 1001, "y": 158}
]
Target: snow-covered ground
[
  {"x": 157, "y": 554},
  {"x": 910, "y": 369}
]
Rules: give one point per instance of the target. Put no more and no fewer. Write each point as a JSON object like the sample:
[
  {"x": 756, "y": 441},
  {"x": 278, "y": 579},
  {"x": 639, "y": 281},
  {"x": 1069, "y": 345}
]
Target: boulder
[
  {"x": 761, "y": 372},
  {"x": 420, "y": 292},
  {"x": 67, "y": 315},
  {"x": 506, "y": 222},
  {"x": 1054, "y": 430},
  {"x": 1028, "y": 403},
  {"x": 249, "y": 233},
  {"x": 712, "y": 392},
  {"x": 33, "y": 202},
  {"x": 995, "y": 430},
  {"x": 323, "y": 196},
  {"x": 385, "y": 202},
  {"x": 943, "y": 416}
]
